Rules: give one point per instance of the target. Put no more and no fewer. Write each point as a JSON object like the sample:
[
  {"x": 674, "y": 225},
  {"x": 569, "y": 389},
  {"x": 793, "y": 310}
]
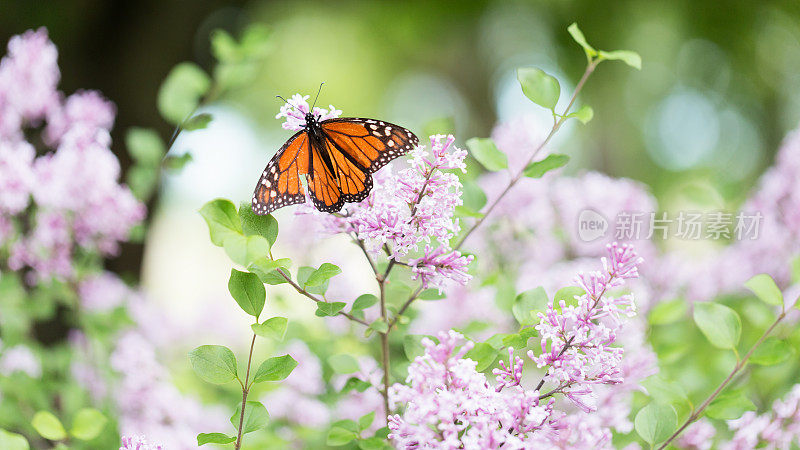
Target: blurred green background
[{"x": 716, "y": 93}]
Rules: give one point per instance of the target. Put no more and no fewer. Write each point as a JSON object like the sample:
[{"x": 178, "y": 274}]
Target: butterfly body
[{"x": 336, "y": 156}]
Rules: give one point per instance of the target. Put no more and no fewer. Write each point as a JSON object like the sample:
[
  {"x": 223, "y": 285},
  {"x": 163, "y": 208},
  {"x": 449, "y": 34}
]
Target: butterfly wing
[
  {"x": 322, "y": 183},
  {"x": 368, "y": 142},
  {"x": 279, "y": 184}
]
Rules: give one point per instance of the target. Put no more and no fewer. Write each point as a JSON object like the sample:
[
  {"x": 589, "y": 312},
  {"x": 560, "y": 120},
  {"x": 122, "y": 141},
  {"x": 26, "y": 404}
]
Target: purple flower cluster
[
  {"x": 577, "y": 341},
  {"x": 406, "y": 210},
  {"x": 59, "y": 192},
  {"x": 449, "y": 404},
  {"x": 138, "y": 443},
  {"x": 779, "y": 428}
]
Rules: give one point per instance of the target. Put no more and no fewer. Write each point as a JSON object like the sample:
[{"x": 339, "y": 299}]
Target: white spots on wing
[{"x": 390, "y": 143}]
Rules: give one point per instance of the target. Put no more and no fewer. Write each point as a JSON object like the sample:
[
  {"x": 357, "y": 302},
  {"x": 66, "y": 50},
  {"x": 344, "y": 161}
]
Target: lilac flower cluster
[
  {"x": 449, "y": 404},
  {"x": 138, "y": 443},
  {"x": 59, "y": 189},
  {"x": 406, "y": 210}
]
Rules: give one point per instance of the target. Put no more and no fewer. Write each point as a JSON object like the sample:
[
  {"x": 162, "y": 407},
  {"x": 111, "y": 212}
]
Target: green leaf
[
  {"x": 527, "y": 303},
  {"x": 214, "y": 438},
  {"x": 248, "y": 291},
  {"x": 539, "y": 87},
  {"x": 145, "y": 146},
  {"x": 245, "y": 250},
  {"x": 213, "y": 363},
  {"x": 355, "y": 383},
  {"x": 274, "y": 328},
  {"x": 431, "y": 294},
  {"x": 567, "y": 294},
  {"x": 730, "y": 405},
  {"x": 379, "y": 325},
  {"x": 720, "y": 324},
  {"x": 663, "y": 391},
  {"x": 366, "y": 420},
  {"x": 323, "y": 274},
  {"x": 537, "y": 169},
  {"x": 669, "y": 311},
  {"x": 578, "y": 36},
  {"x": 181, "y": 91},
  {"x": 765, "y": 289},
  {"x": 772, "y": 351},
  {"x": 177, "y": 163},
  {"x": 223, "y": 46},
  {"x": 486, "y": 152},
  {"x": 255, "y": 417},
  {"x": 473, "y": 196},
  {"x": 303, "y": 274},
  {"x": 266, "y": 265},
  {"x": 584, "y": 114},
  {"x": 13, "y": 441},
  {"x": 484, "y": 354},
  {"x": 48, "y": 426},
  {"x": 412, "y": 346},
  {"x": 338, "y": 436},
  {"x": 222, "y": 220},
  {"x": 343, "y": 363},
  {"x": 197, "y": 122},
  {"x": 363, "y": 302},
  {"x": 329, "y": 309},
  {"x": 87, "y": 424},
  {"x": 655, "y": 422},
  {"x": 255, "y": 225},
  {"x": 628, "y": 57},
  {"x": 142, "y": 180},
  {"x": 275, "y": 369},
  {"x": 795, "y": 269},
  {"x": 373, "y": 443}
]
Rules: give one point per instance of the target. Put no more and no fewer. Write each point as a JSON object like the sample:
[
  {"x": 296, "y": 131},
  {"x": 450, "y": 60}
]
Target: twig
[
  {"x": 312, "y": 297},
  {"x": 739, "y": 365}
]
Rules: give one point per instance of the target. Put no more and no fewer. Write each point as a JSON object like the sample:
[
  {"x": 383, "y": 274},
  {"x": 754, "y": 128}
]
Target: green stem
[{"x": 245, "y": 391}]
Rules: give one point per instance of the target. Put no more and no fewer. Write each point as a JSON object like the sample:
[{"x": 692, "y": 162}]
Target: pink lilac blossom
[
  {"x": 139, "y": 443},
  {"x": 779, "y": 429},
  {"x": 697, "y": 436},
  {"x": 405, "y": 211},
  {"x": 78, "y": 201},
  {"x": 149, "y": 404},
  {"x": 296, "y": 108},
  {"x": 103, "y": 292}
]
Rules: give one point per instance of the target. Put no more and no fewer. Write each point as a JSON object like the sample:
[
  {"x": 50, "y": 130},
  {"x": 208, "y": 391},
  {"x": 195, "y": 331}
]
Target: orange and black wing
[
  {"x": 369, "y": 143},
  {"x": 279, "y": 184},
  {"x": 323, "y": 183}
]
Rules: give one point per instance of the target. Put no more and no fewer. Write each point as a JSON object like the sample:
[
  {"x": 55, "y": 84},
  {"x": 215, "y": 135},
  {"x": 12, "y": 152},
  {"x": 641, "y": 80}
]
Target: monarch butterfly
[{"x": 337, "y": 157}]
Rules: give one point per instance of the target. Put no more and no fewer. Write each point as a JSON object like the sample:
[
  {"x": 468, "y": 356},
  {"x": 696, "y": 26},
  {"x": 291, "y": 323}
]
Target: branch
[
  {"x": 739, "y": 365},
  {"x": 312, "y": 297}
]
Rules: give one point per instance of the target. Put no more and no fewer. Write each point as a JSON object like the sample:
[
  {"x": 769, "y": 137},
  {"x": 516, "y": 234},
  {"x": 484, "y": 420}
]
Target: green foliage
[
  {"x": 765, "y": 289},
  {"x": 48, "y": 426},
  {"x": 87, "y": 424},
  {"x": 431, "y": 294},
  {"x": 255, "y": 417},
  {"x": 537, "y": 169},
  {"x": 667, "y": 311},
  {"x": 721, "y": 325},
  {"x": 239, "y": 62},
  {"x": 628, "y": 57},
  {"x": 441, "y": 125},
  {"x": 486, "y": 152},
  {"x": 584, "y": 114},
  {"x": 145, "y": 146},
  {"x": 245, "y": 250},
  {"x": 325, "y": 272},
  {"x": 222, "y": 220},
  {"x": 412, "y": 346},
  {"x": 214, "y": 363},
  {"x": 325, "y": 309},
  {"x": 275, "y": 369},
  {"x": 539, "y": 87},
  {"x": 484, "y": 354},
  {"x": 379, "y": 325},
  {"x": 180, "y": 93},
  {"x": 729, "y": 405},
  {"x": 255, "y": 225},
  {"x": 13, "y": 441},
  {"x": 198, "y": 122},
  {"x": 248, "y": 291},
  {"x": 214, "y": 438},
  {"x": 578, "y": 36},
  {"x": 342, "y": 433},
  {"x": 655, "y": 422},
  {"x": 274, "y": 328},
  {"x": 527, "y": 304},
  {"x": 772, "y": 351},
  {"x": 363, "y": 302}
]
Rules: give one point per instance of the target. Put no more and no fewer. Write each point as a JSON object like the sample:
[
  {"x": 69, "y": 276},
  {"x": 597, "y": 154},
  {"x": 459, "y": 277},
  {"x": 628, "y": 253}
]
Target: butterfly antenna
[
  {"x": 285, "y": 101},
  {"x": 318, "y": 91}
]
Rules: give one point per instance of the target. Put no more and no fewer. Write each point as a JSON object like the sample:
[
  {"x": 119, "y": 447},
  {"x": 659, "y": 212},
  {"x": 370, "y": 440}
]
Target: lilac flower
[
  {"x": 779, "y": 428},
  {"x": 510, "y": 375},
  {"x": 440, "y": 265},
  {"x": 138, "y": 443},
  {"x": 698, "y": 436},
  {"x": 103, "y": 292},
  {"x": 87, "y": 108},
  {"x": 297, "y": 107},
  {"x": 16, "y": 176},
  {"x": 580, "y": 337}
]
